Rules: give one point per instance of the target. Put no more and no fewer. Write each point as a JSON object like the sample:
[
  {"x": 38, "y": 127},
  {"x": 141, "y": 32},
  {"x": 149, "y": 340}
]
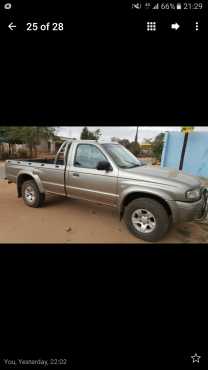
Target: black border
[{"x": 111, "y": 306}]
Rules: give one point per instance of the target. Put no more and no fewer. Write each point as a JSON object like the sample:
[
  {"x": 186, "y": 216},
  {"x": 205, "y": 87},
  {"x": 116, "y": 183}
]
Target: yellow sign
[{"x": 187, "y": 129}]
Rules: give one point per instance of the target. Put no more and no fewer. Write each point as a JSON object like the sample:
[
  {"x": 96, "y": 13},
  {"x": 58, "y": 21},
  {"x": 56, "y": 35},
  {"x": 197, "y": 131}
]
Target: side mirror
[{"x": 104, "y": 166}]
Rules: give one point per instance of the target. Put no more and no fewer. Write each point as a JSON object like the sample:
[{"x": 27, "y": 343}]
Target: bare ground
[{"x": 72, "y": 221}]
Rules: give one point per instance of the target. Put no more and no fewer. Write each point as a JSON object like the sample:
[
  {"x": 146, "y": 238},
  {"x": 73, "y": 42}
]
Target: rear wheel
[
  {"x": 147, "y": 219},
  {"x": 31, "y": 194}
]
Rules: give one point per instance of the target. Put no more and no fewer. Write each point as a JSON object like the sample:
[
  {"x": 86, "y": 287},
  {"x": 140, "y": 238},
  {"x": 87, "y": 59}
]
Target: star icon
[{"x": 195, "y": 358}]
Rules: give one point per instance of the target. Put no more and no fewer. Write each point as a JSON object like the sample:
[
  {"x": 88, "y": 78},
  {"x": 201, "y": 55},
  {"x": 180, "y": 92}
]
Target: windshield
[{"x": 121, "y": 156}]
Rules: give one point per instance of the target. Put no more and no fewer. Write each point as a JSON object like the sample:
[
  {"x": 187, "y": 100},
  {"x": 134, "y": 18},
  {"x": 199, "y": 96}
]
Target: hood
[{"x": 165, "y": 176}]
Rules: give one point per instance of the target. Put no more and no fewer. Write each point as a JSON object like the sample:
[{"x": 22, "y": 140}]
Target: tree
[
  {"x": 134, "y": 148},
  {"x": 136, "y": 136},
  {"x": 125, "y": 142},
  {"x": 157, "y": 146},
  {"x": 3, "y": 133},
  {"x": 131, "y": 146},
  {"x": 30, "y": 135},
  {"x": 97, "y": 133},
  {"x": 90, "y": 135},
  {"x": 11, "y": 135},
  {"x": 84, "y": 134},
  {"x": 115, "y": 139}
]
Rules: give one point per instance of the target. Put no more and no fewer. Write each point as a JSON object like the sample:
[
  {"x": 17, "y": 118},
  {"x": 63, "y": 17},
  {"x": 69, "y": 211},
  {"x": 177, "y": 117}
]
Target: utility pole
[
  {"x": 136, "y": 137},
  {"x": 186, "y": 130}
]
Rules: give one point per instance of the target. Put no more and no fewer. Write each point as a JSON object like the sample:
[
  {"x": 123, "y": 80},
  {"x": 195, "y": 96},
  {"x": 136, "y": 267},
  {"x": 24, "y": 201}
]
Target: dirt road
[{"x": 72, "y": 221}]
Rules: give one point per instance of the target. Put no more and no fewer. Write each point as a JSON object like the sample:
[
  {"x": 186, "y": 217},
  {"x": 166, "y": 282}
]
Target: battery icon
[{"x": 178, "y": 6}]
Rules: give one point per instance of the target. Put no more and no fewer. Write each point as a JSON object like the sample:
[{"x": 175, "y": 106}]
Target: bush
[
  {"x": 22, "y": 153},
  {"x": 157, "y": 146},
  {"x": 134, "y": 148}
]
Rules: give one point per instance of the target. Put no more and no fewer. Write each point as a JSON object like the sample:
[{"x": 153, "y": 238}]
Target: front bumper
[{"x": 193, "y": 211}]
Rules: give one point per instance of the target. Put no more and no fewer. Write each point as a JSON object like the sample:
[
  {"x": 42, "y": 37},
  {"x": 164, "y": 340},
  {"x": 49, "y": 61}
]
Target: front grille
[{"x": 204, "y": 192}]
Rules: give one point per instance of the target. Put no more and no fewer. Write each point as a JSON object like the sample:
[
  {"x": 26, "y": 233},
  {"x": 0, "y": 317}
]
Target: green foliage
[
  {"x": 33, "y": 134},
  {"x": 134, "y": 148},
  {"x": 2, "y": 134},
  {"x": 84, "y": 134},
  {"x": 25, "y": 134},
  {"x": 157, "y": 146},
  {"x": 22, "y": 153},
  {"x": 30, "y": 135},
  {"x": 125, "y": 142},
  {"x": 11, "y": 134},
  {"x": 90, "y": 135}
]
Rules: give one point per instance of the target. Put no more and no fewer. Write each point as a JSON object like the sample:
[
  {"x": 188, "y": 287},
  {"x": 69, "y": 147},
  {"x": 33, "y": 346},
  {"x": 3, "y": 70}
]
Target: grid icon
[{"x": 151, "y": 26}]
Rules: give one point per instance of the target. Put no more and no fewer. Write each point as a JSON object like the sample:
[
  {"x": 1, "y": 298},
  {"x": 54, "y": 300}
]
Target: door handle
[{"x": 75, "y": 174}]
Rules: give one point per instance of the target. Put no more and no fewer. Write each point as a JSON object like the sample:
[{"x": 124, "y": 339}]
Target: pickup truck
[{"x": 149, "y": 199}]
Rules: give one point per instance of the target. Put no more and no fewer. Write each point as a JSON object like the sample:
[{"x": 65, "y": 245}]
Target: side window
[
  {"x": 60, "y": 160},
  {"x": 88, "y": 156}
]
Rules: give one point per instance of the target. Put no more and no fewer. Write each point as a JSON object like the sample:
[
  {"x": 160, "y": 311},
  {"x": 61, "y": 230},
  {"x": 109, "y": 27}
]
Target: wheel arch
[
  {"x": 22, "y": 177},
  {"x": 139, "y": 194}
]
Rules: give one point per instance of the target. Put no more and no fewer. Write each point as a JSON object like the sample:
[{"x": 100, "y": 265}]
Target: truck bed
[
  {"x": 13, "y": 167},
  {"x": 29, "y": 162}
]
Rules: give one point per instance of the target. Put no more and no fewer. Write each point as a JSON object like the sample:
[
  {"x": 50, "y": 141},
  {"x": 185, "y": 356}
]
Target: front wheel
[
  {"x": 31, "y": 194},
  {"x": 147, "y": 219}
]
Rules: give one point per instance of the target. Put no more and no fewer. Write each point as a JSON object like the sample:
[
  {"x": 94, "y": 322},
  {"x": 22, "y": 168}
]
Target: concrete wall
[
  {"x": 42, "y": 147},
  {"x": 196, "y": 155}
]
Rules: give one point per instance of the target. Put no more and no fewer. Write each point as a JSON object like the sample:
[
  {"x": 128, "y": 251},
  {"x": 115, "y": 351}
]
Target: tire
[
  {"x": 151, "y": 220},
  {"x": 36, "y": 199}
]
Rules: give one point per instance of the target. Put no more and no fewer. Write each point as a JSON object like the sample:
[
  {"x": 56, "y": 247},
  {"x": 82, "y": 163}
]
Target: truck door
[
  {"x": 53, "y": 175},
  {"x": 84, "y": 181}
]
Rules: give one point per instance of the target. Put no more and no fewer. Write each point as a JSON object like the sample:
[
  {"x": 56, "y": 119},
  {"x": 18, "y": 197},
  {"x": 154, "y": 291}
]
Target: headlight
[{"x": 193, "y": 194}]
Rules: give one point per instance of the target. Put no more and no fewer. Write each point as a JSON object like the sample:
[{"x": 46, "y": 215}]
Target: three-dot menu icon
[{"x": 196, "y": 26}]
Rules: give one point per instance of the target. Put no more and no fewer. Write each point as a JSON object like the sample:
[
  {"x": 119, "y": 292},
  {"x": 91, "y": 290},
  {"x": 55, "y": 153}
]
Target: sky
[{"x": 123, "y": 132}]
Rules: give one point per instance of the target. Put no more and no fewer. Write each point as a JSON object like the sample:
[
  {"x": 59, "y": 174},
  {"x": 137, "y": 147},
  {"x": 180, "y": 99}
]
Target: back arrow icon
[
  {"x": 175, "y": 26},
  {"x": 12, "y": 26}
]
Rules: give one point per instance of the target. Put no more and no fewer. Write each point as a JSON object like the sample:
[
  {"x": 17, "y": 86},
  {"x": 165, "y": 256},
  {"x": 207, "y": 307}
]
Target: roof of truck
[{"x": 92, "y": 141}]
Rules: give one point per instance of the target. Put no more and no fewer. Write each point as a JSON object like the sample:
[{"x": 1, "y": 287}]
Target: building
[
  {"x": 189, "y": 154},
  {"x": 146, "y": 149},
  {"x": 52, "y": 145},
  {"x": 46, "y": 146}
]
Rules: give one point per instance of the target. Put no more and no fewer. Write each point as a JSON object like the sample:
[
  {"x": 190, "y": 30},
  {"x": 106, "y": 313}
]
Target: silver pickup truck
[{"x": 149, "y": 199}]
